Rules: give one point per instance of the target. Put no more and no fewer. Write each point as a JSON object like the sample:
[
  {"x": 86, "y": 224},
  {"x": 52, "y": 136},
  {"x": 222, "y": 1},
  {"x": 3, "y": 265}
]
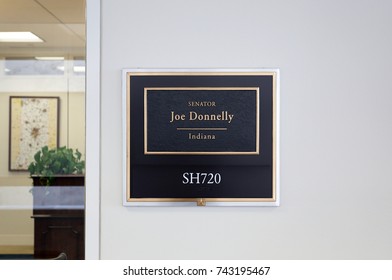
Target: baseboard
[{"x": 16, "y": 250}]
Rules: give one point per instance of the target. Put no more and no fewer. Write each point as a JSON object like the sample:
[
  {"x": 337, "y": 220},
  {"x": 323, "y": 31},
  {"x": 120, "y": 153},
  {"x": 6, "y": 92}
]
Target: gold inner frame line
[
  {"x": 148, "y": 90},
  {"x": 202, "y": 128}
]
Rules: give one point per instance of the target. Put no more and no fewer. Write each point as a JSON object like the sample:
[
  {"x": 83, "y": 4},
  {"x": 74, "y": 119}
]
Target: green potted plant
[
  {"x": 57, "y": 167},
  {"x": 58, "y": 178}
]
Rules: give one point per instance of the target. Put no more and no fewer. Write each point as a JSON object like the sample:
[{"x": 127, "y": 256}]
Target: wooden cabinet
[
  {"x": 56, "y": 233},
  {"x": 59, "y": 220}
]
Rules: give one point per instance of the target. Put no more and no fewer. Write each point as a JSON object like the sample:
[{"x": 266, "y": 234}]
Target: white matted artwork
[{"x": 34, "y": 123}]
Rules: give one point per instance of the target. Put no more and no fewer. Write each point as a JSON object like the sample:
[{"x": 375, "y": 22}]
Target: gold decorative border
[
  {"x": 203, "y": 201},
  {"x": 256, "y": 152}
]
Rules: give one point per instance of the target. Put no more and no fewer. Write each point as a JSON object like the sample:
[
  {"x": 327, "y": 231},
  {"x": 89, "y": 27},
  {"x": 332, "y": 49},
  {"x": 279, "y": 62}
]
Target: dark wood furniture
[{"x": 59, "y": 218}]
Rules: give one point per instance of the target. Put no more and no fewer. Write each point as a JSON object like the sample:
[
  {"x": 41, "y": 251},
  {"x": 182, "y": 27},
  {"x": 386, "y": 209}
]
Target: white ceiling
[{"x": 60, "y": 23}]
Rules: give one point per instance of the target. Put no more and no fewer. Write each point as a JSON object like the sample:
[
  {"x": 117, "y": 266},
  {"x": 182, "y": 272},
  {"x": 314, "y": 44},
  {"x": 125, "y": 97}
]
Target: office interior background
[{"x": 335, "y": 121}]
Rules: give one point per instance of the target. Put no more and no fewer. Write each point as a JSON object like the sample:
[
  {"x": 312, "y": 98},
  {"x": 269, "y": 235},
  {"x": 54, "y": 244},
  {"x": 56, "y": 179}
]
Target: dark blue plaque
[{"x": 207, "y": 137}]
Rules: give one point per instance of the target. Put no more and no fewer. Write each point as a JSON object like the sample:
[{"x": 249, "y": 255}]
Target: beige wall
[{"x": 16, "y": 226}]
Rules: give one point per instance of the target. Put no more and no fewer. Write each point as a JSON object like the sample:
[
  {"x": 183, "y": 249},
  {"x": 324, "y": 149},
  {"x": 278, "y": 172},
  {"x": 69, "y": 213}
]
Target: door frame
[{"x": 93, "y": 131}]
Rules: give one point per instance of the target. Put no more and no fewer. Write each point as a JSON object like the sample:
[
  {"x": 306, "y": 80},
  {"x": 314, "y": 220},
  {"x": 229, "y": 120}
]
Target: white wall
[{"x": 336, "y": 154}]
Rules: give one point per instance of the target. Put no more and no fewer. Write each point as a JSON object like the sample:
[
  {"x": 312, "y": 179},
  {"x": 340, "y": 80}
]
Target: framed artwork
[
  {"x": 34, "y": 123},
  {"x": 205, "y": 137}
]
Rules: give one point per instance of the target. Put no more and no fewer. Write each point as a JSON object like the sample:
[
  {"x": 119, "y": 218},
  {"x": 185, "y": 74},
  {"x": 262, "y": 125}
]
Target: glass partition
[{"x": 42, "y": 129}]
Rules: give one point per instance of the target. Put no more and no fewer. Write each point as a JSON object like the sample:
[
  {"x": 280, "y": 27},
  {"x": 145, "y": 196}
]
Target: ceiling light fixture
[
  {"x": 49, "y": 58},
  {"x": 19, "y": 37},
  {"x": 79, "y": 69}
]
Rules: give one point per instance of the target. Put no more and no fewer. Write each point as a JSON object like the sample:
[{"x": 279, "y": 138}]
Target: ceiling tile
[
  {"x": 69, "y": 11},
  {"x": 24, "y": 11}
]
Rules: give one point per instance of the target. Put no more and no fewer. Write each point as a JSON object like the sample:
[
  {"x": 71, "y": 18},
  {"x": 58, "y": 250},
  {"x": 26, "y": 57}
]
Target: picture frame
[{"x": 33, "y": 124}]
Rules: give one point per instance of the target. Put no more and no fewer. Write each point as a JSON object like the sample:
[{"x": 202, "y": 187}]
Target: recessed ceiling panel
[{"x": 61, "y": 25}]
